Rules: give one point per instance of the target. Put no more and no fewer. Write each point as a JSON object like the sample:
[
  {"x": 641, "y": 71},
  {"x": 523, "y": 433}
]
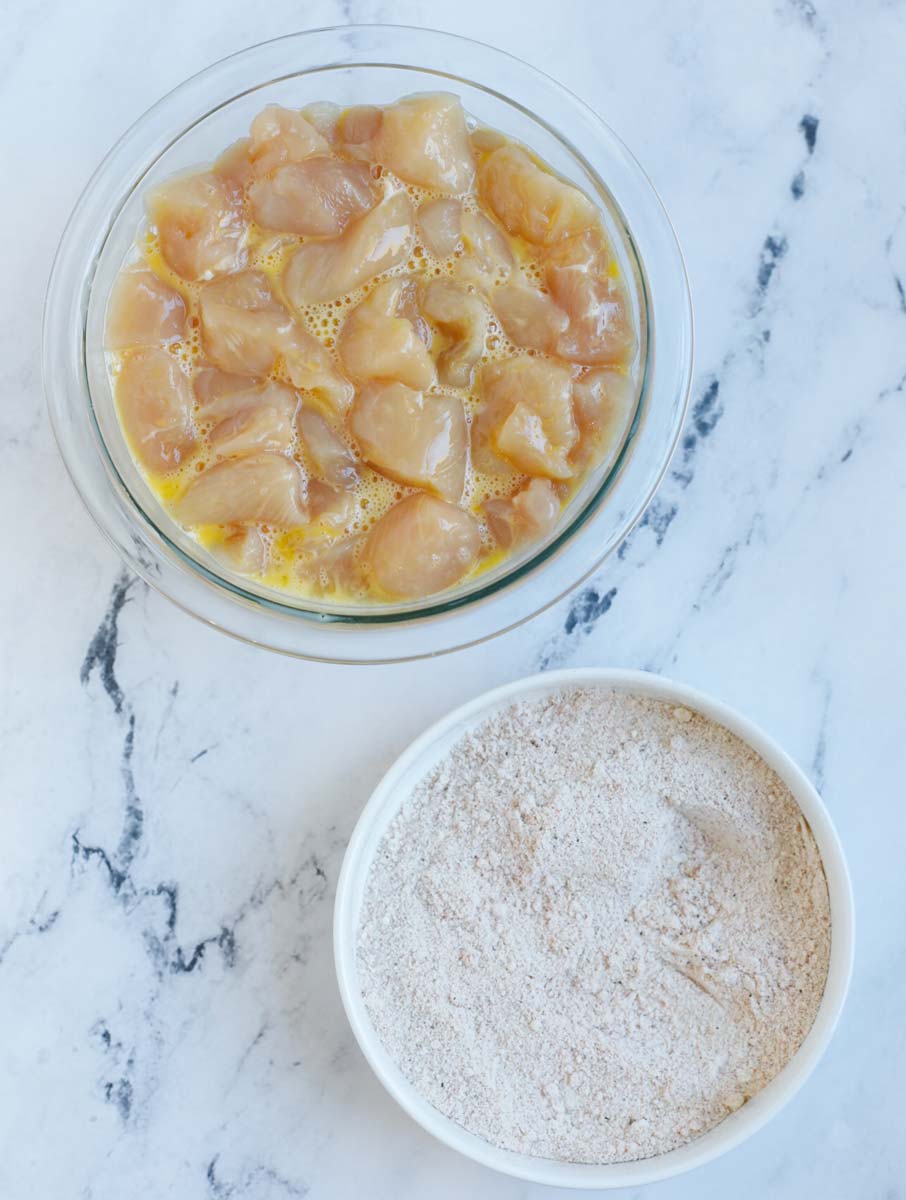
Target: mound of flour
[{"x": 599, "y": 926}]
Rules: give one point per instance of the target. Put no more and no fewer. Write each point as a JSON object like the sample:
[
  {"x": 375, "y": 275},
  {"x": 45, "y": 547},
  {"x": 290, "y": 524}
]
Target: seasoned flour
[{"x": 599, "y": 926}]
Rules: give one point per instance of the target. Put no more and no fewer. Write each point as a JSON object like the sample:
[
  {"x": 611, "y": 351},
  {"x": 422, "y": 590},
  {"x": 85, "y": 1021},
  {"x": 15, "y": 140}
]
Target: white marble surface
[{"x": 176, "y": 805}]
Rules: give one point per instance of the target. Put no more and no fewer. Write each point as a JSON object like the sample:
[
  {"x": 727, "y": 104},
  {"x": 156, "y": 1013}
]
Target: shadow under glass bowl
[{"x": 191, "y": 126}]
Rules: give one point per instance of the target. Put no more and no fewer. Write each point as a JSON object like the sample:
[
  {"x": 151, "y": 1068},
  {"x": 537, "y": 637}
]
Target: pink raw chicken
[
  {"x": 262, "y": 489},
  {"x": 324, "y": 116},
  {"x": 220, "y": 395},
  {"x": 526, "y": 418},
  {"x": 463, "y": 318},
  {"x": 488, "y": 258},
  {"x": 245, "y": 550},
  {"x": 154, "y": 401},
  {"x": 378, "y": 343},
  {"x": 529, "y": 318},
  {"x": 199, "y": 223},
  {"x": 440, "y": 226},
  {"x": 424, "y": 140},
  {"x": 531, "y": 202},
  {"x": 326, "y": 454},
  {"x": 602, "y": 404},
  {"x": 578, "y": 275},
  {"x": 317, "y": 198},
  {"x": 211, "y": 385},
  {"x": 418, "y": 440},
  {"x": 333, "y": 569},
  {"x": 333, "y": 507},
  {"x": 143, "y": 311},
  {"x": 224, "y": 398},
  {"x": 322, "y": 271},
  {"x": 245, "y": 328},
  {"x": 422, "y": 545},
  {"x": 282, "y": 135},
  {"x": 261, "y": 420},
  {"x": 529, "y": 515},
  {"x": 359, "y": 124},
  {"x": 235, "y": 167}
]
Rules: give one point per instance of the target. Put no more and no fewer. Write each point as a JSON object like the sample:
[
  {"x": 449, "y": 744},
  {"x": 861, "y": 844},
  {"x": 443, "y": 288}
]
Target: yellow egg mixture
[{"x": 291, "y": 549}]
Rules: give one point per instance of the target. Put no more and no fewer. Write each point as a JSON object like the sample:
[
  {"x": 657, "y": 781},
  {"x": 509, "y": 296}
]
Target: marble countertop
[{"x": 177, "y": 804}]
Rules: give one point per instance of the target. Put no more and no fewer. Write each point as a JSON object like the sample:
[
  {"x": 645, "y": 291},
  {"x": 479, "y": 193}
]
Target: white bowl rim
[{"x": 736, "y": 1128}]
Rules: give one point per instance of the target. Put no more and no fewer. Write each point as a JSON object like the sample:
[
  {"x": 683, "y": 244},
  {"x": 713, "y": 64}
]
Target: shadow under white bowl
[{"x": 384, "y": 803}]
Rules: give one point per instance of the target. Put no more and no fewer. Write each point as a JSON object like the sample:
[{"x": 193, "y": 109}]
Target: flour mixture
[{"x": 597, "y": 928}]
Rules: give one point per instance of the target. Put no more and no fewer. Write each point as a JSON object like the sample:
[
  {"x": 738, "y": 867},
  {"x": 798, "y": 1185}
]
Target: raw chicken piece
[
  {"x": 234, "y": 166},
  {"x": 440, "y": 226},
  {"x": 326, "y": 455},
  {"x": 418, "y": 440},
  {"x": 532, "y": 202},
  {"x": 485, "y": 140},
  {"x": 212, "y": 385},
  {"x": 333, "y": 507},
  {"x": 143, "y": 311},
  {"x": 199, "y": 224},
  {"x": 527, "y": 417},
  {"x": 318, "y": 197},
  {"x": 229, "y": 399},
  {"x": 245, "y": 550},
  {"x": 423, "y": 139},
  {"x": 489, "y": 258},
  {"x": 359, "y": 124},
  {"x": 602, "y": 404},
  {"x": 422, "y": 545},
  {"x": 263, "y": 489},
  {"x": 154, "y": 400},
  {"x": 529, "y": 515},
  {"x": 324, "y": 116},
  {"x": 311, "y": 368},
  {"x": 376, "y": 343},
  {"x": 321, "y": 271},
  {"x": 282, "y": 135},
  {"x": 258, "y": 426},
  {"x": 578, "y": 275},
  {"x": 243, "y": 326},
  {"x": 333, "y": 569},
  {"x": 462, "y": 316},
  {"x": 529, "y": 317},
  {"x": 408, "y": 307}
]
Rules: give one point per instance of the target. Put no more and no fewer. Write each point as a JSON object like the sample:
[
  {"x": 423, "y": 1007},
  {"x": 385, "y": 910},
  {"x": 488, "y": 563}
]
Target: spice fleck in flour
[{"x": 595, "y": 929}]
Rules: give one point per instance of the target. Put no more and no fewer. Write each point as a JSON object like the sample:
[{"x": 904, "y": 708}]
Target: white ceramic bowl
[{"x": 397, "y": 784}]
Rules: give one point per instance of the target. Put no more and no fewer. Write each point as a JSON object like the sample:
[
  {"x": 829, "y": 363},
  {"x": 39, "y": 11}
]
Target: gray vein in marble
[
  {"x": 819, "y": 758},
  {"x": 808, "y": 126},
  {"x": 36, "y": 924},
  {"x": 101, "y": 654},
  {"x": 852, "y": 434},
  {"x": 258, "y": 1181},
  {"x": 715, "y": 580}
]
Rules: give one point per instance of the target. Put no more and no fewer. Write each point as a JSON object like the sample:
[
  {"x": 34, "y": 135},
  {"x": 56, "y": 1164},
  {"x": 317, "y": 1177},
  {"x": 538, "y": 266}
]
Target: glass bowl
[{"x": 191, "y": 126}]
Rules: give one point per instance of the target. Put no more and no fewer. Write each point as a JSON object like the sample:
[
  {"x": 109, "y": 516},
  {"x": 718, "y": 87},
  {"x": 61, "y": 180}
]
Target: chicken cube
[
  {"x": 415, "y": 439},
  {"x": 154, "y": 401},
  {"x": 199, "y": 223},
  {"x": 424, "y": 140},
  {"x": 421, "y": 546}
]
